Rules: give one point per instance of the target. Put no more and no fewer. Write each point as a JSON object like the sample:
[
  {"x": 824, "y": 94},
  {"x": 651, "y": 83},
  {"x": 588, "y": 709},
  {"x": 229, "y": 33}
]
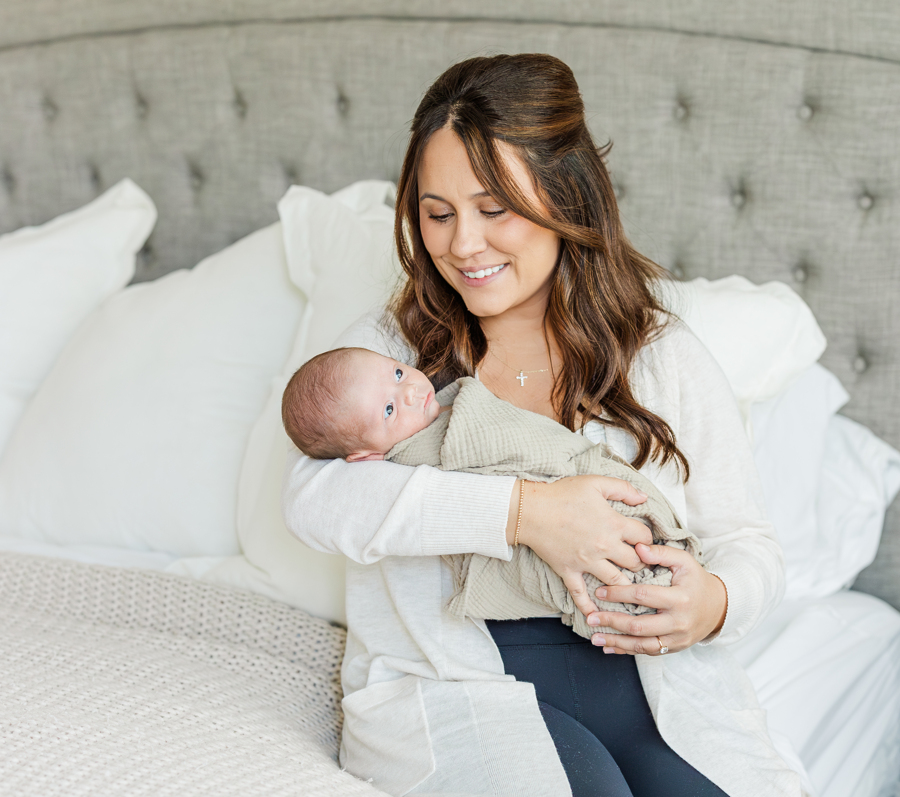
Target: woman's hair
[{"x": 601, "y": 309}]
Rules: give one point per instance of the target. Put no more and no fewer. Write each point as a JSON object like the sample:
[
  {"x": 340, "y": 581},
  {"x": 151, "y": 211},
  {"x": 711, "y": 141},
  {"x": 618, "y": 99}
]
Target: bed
[{"x": 162, "y": 633}]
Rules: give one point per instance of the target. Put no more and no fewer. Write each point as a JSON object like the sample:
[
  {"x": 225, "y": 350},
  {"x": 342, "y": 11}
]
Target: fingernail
[
  {"x": 642, "y": 493},
  {"x": 600, "y": 592},
  {"x": 593, "y": 620},
  {"x": 609, "y": 650},
  {"x": 598, "y": 640}
]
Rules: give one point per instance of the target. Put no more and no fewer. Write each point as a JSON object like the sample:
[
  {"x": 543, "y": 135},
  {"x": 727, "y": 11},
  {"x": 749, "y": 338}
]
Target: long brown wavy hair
[{"x": 601, "y": 309}]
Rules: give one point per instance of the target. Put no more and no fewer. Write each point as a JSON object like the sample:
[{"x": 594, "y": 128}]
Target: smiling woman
[{"x": 518, "y": 272}]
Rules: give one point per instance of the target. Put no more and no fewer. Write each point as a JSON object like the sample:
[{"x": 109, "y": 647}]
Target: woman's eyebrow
[{"x": 479, "y": 195}]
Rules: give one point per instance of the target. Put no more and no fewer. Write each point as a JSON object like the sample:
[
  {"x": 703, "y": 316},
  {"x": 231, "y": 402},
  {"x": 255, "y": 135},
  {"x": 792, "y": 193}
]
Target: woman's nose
[{"x": 468, "y": 238}]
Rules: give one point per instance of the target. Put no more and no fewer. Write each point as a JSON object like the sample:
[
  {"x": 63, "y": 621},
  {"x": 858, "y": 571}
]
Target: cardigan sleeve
[
  {"x": 368, "y": 510},
  {"x": 723, "y": 497}
]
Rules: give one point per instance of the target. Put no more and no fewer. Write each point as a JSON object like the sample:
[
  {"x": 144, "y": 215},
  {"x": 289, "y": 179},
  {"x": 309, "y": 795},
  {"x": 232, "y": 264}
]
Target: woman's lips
[{"x": 479, "y": 281}]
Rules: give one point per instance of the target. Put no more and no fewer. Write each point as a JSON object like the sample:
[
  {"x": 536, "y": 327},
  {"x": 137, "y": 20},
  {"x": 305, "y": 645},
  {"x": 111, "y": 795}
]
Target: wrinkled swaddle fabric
[{"x": 484, "y": 434}]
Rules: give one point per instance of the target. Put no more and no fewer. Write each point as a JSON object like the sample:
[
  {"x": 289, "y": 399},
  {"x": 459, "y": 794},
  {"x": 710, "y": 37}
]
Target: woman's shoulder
[
  {"x": 672, "y": 346},
  {"x": 377, "y": 330}
]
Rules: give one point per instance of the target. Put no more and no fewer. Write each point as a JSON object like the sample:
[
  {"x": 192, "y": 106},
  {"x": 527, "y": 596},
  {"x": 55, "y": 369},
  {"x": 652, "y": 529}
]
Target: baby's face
[{"x": 389, "y": 400}]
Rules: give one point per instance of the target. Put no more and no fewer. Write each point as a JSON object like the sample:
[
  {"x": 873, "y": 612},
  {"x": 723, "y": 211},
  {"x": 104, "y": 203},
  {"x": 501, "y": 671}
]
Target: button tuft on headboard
[
  {"x": 805, "y": 112},
  {"x": 680, "y": 111},
  {"x": 865, "y": 201},
  {"x": 239, "y": 104},
  {"x": 195, "y": 177},
  {"x": 146, "y": 256},
  {"x": 343, "y": 104},
  {"x": 49, "y": 109},
  {"x": 677, "y": 270},
  {"x": 291, "y": 176},
  {"x": 800, "y": 273},
  {"x": 860, "y": 364},
  {"x": 93, "y": 177},
  {"x": 738, "y": 198},
  {"x": 140, "y": 106},
  {"x": 8, "y": 180}
]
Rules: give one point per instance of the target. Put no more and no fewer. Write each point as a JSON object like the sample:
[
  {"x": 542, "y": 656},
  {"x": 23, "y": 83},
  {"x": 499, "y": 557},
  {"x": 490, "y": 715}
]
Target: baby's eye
[
  {"x": 398, "y": 372},
  {"x": 389, "y": 409}
]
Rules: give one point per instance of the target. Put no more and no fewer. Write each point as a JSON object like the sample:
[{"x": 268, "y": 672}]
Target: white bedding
[
  {"x": 827, "y": 670},
  {"x": 127, "y": 682}
]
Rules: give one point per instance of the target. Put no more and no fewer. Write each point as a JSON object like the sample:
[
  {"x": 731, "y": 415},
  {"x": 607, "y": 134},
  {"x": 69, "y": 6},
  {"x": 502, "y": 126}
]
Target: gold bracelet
[{"x": 519, "y": 518}]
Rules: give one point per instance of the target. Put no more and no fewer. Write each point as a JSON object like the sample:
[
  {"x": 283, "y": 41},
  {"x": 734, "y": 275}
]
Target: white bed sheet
[{"x": 827, "y": 671}]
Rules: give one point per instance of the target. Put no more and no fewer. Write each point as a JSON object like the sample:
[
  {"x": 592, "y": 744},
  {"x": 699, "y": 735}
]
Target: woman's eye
[
  {"x": 398, "y": 372},
  {"x": 440, "y": 219},
  {"x": 492, "y": 214},
  {"x": 388, "y": 410}
]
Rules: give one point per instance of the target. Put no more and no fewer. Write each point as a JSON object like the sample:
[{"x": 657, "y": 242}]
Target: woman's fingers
[
  {"x": 619, "y": 490},
  {"x": 648, "y": 645},
  {"x": 635, "y": 532},
  {"x": 578, "y": 590},
  {"x": 664, "y": 555}
]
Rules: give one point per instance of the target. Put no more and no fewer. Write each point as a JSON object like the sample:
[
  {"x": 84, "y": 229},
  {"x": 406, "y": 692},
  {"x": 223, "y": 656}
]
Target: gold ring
[{"x": 663, "y": 649}]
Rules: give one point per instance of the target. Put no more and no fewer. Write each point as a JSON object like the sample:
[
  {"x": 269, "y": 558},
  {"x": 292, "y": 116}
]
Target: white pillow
[
  {"x": 136, "y": 437},
  {"x": 763, "y": 336},
  {"x": 827, "y": 482},
  {"x": 340, "y": 251},
  {"x": 860, "y": 478},
  {"x": 789, "y": 449},
  {"x": 53, "y": 276}
]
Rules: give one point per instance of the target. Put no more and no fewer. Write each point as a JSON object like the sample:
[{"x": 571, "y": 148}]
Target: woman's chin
[{"x": 484, "y": 308}]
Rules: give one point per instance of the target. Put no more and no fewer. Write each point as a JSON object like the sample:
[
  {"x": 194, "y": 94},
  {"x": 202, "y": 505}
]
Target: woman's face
[{"x": 498, "y": 262}]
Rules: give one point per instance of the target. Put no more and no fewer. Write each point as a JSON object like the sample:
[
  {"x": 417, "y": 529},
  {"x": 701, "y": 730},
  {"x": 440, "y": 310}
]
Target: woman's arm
[
  {"x": 724, "y": 508},
  {"x": 367, "y": 510}
]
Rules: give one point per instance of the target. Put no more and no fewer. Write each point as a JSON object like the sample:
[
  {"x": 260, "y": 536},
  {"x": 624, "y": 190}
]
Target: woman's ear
[{"x": 364, "y": 456}]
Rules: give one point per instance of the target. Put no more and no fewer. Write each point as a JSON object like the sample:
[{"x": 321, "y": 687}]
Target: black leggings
[{"x": 597, "y": 714}]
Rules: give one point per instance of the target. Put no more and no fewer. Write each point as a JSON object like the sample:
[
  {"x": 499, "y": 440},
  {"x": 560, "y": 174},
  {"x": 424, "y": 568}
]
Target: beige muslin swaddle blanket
[{"x": 483, "y": 434}]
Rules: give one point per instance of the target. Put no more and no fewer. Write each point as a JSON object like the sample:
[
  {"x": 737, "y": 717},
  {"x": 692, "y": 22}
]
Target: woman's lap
[{"x": 603, "y": 693}]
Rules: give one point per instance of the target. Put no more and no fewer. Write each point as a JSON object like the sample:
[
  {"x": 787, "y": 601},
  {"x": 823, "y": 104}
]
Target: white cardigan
[{"x": 427, "y": 706}]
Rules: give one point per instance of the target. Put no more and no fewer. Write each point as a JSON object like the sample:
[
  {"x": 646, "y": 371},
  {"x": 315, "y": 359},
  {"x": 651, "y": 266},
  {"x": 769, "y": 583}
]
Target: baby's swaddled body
[{"x": 484, "y": 434}]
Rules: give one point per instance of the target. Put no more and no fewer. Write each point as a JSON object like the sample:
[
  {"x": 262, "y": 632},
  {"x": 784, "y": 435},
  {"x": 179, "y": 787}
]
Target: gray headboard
[{"x": 758, "y": 137}]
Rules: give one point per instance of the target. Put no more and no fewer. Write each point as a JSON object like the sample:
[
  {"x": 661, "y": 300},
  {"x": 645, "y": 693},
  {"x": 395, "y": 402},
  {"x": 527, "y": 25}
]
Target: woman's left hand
[{"x": 687, "y": 612}]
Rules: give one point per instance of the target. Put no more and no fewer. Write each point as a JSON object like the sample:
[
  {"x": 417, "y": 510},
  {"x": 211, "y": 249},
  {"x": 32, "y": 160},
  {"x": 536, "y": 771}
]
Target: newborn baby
[
  {"x": 358, "y": 405},
  {"x": 355, "y": 404}
]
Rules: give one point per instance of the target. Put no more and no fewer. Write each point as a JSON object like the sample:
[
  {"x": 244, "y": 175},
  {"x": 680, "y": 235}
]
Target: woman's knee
[{"x": 590, "y": 768}]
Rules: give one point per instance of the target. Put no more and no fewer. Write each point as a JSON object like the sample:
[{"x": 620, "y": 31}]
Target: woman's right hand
[{"x": 571, "y": 526}]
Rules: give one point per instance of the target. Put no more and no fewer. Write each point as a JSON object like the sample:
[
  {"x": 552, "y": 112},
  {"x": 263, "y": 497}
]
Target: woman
[{"x": 519, "y": 272}]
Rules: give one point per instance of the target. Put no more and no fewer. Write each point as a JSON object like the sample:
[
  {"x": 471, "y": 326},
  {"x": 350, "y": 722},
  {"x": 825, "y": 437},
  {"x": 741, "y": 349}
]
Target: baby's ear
[{"x": 364, "y": 456}]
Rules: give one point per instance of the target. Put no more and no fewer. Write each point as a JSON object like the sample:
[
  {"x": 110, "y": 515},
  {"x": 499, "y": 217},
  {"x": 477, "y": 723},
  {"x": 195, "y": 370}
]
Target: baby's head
[{"x": 355, "y": 404}]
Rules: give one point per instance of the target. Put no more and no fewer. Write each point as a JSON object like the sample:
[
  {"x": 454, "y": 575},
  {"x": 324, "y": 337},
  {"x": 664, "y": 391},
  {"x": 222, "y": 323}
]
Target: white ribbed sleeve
[{"x": 367, "y": 510}]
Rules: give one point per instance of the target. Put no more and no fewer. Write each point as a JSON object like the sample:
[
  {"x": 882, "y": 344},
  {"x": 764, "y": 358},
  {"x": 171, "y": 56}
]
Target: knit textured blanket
[
  {"x": 131, "y": 683},
  {"x": 483, "y": 434}
]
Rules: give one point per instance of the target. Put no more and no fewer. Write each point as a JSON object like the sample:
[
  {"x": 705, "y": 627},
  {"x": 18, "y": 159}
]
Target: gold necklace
[{"x": 521, "y": 377}]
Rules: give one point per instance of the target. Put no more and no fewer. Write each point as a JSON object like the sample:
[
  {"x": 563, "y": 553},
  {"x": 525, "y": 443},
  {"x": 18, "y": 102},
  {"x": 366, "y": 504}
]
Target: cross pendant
[{"x": 521, "y": 377}]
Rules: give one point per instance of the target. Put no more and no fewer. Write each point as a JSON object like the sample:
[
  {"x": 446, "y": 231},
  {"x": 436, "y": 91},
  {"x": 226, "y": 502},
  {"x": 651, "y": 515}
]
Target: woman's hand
[
  {"x": 687, "y": 612},
  {"x": 571, "y": 526}
]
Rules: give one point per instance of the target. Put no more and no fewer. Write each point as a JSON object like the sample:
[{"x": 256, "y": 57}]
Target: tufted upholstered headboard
[{"x": 760, "y": 137}]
